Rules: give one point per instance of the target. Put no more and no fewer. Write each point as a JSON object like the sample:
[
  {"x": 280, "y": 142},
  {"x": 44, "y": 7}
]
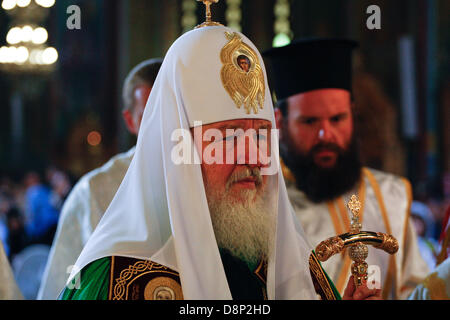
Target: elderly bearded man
[
  {"x": 178, "y": 229},
  {"x": 313, "y": 81}
]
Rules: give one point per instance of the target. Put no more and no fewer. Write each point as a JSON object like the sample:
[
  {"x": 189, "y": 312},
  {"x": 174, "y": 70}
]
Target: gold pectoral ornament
[{"x": 356, "y": 241}]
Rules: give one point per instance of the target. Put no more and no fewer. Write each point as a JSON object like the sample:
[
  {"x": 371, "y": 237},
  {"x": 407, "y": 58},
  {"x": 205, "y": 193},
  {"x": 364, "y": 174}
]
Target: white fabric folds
[
  {"x": 160, "y": 211},
  {"x": 8, "y": 286}
]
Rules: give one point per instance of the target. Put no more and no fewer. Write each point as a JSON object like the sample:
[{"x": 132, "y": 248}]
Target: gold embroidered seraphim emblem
[{"x": 242, "y": 75}]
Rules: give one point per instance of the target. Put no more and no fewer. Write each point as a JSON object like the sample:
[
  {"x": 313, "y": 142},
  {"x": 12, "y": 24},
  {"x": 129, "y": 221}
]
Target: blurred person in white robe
[
  {"x": 8, "y": 286},
  {"x": 91, "y": 196},
  {"x": 436, "y": 286}
]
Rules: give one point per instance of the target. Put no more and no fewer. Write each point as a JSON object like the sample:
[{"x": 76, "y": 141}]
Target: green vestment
[{"x": 95, "y": 280}]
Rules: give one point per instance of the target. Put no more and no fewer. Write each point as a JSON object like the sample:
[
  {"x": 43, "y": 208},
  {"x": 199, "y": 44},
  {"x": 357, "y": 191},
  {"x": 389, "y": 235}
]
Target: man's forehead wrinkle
[
  {"x": 231, "y": 127},
  {"x": 327, "y": 116},
  {"x": 322, "y": 110},
  {"x": 242, "y": 124},
  {"x": 340, "y": 114},
  {"x": 263, "y": 124}
]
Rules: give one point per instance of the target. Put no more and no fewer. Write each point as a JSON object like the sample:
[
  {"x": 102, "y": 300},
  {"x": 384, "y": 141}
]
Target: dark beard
[{"x": 321, "y": 184}]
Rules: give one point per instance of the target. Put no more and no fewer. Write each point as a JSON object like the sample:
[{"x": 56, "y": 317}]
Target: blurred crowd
[
  {"x": 430, "y": 219},
  {"x": 29, "y": 212}
]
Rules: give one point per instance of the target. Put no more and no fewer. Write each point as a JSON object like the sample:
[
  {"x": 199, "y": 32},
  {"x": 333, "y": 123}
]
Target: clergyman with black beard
[
  {"x": 317, "y": 182},
  {"x": 312, "y": 80}
]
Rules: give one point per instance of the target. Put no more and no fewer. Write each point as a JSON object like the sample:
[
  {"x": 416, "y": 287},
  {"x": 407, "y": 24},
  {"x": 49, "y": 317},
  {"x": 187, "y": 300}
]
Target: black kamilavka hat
[{"x": 311, "y": 64}]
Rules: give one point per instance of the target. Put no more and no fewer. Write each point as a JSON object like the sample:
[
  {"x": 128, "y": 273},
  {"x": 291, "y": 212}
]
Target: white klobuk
[{"x": 160, "y": 211}]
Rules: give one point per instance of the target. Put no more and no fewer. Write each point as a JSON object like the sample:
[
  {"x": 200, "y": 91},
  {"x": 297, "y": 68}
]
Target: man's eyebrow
[
  {"x": 230, "y": 126},
  {"x": 340, "y": 114},
  {"x": 264, "y": 126},
  {"x": 302, "y": 117}
]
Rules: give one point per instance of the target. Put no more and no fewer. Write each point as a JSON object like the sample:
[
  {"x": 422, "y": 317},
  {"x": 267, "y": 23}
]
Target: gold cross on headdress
[{"x": 208, "y": 21}]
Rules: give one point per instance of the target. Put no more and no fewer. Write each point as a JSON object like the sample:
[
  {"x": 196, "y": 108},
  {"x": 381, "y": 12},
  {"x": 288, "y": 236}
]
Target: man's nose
[
  {"x": 248, "y": 151},
  {"x": 325, "y": 133}
]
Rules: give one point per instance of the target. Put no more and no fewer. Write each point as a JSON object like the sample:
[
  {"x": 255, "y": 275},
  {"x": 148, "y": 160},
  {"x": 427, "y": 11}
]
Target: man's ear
[
  {"x": 129, "y": 121},
  {"x": 279, "y": 120}
]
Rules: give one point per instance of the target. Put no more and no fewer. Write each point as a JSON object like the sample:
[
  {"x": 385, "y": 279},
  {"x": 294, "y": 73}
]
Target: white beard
[{"x": 245, "y": 229}]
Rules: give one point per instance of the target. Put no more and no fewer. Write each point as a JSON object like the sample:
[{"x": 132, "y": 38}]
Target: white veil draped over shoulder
[{"x": 160, "y": 212}]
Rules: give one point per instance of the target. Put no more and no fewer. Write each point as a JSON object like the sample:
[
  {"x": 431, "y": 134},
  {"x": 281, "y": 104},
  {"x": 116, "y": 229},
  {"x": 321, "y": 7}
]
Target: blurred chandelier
[{"x": 27, "y": 49}]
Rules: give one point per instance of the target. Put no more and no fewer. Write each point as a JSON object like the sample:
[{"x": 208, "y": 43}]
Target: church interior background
[{"x": 65, "y": 115}]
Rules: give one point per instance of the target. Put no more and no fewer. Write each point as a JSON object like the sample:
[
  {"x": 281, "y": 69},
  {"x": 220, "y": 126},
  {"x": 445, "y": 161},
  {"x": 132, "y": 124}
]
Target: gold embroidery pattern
[
  {"x": 389, "y": 244},
  {"x": 120, "y": 287},
  {"x": 391, "y": 277},
  {"x": 245, "y": 86},
  {"x": 320, "y": 277},
  {"x": 261, "y": 271},
  {"x": 329, "y": 247},
  {"x": 163, "y": 288}
]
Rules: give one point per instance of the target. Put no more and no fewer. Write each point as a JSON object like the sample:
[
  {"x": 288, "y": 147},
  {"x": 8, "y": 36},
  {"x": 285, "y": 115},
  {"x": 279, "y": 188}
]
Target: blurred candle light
[
  {"x": 27, "y": 33},
  {"x": 282, "y": 26},
  {"x": 3, "y": 54},
  {"x": 50, "y": 56},
  {"x": 22, "y": 55},
  {"x": 9, "y": 4},
  {"x": 27, "y": 49},
  {"x": 14, "y": 35},
  {"x": 36, "y": 57},
  {"x": 281, "y": 40},
  {"x": 23, "y": 3},
  {"x": 10, "y": 54},
  {"x": 40, "y": 35},
  {"x": 45, "y": 3},
  {"x": 94, "y": 138}
]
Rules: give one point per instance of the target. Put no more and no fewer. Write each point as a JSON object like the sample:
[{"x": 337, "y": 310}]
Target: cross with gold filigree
[
  {"x": 355, "y": 207},
  {"x": 208, "y": 21},
  {"x": 356, "y": 241}
]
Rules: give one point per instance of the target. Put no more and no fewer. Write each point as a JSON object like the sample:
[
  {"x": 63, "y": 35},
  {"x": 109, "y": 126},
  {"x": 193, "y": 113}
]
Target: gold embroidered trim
[
  {"x": 335, "y": 218},
  {"x": 287, "y": 173},
  {"x": 129, "y": 274},
  {"x": 391, "y": 274},
  {"x": 409, "y": 194},
  {"x": 163, "y": 288},
  {"x": 261, "y": 271},
  {"x": 436, "y": 287},
  {"x": 321, "y": 278},
  {"x": 111, "y": 281}
]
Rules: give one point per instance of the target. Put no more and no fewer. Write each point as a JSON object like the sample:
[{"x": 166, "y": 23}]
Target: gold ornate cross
[
  {"x": 355, "y": 207},
  {"x": 356, "y": 241},
  {"x": 208, "y": 21}
]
